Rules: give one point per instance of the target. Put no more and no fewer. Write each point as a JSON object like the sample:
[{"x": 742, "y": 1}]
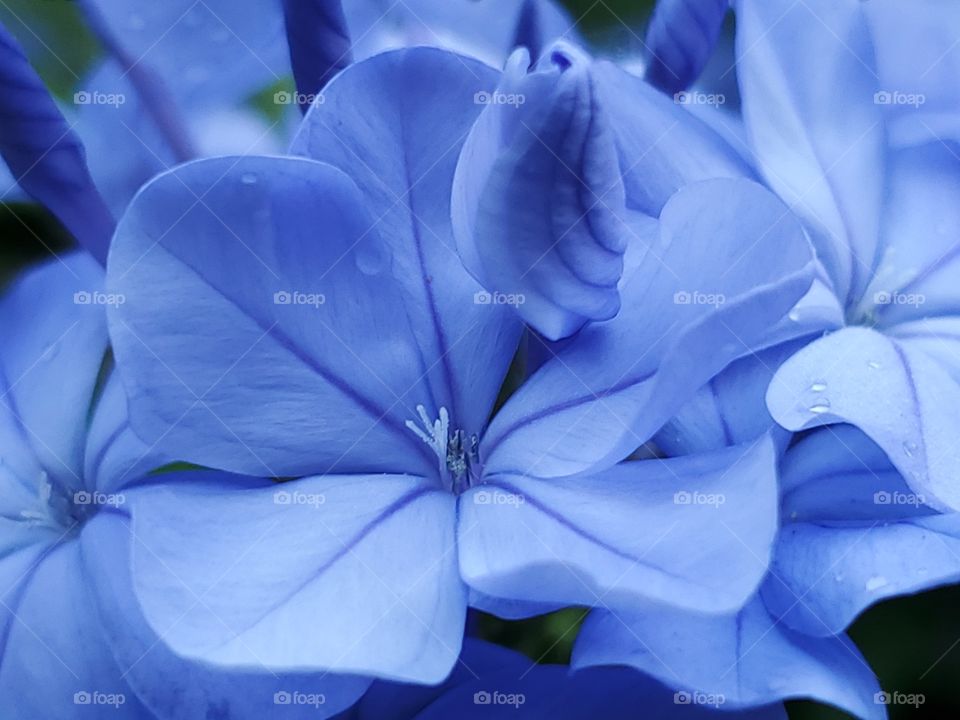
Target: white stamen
[{"x": 434, "y": 434}]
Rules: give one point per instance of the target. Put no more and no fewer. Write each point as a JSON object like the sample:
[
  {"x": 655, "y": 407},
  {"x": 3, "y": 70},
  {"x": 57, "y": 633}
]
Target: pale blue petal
[
  {"x": 897, "y": 394},
  {"x": 808, "y": 77},
  {"x": 395, "y": 124},
  {"x": 289, "y": 306},
  {"x": 692, "y": 532},
  {"x": 345, "y": 574},
  {"x": 174, "y": 687},
  {"x": 616, "y": 383},
  {"x": 746, "y": 657},
  {"x": 544, "y": 137}
]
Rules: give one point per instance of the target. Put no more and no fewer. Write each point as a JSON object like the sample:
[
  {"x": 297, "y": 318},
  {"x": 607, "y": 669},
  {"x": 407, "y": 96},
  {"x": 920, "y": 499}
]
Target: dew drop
[
  {"x": 874, "y": 365},
  {"x": 818, "y": 386},
  {"x": 820, "y": 407},
  {"x": 838, "y": 577},
  {"x": 371, "y": 261},
  {"x": 248, "y": 179},
  {"x": 794, "y": 315},
  {"x": 909, "y": 448},
  {"x": 876, "y": 582}
]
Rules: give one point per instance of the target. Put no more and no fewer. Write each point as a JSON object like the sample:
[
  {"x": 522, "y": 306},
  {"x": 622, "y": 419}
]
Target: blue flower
[
  {"x": 309, "y": 318},
  {"x": 831, "y": 106},
  {"x": 72, "y": 636}
]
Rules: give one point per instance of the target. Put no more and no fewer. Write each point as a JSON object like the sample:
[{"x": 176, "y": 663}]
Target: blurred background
[{"x": 912, "y": 643}]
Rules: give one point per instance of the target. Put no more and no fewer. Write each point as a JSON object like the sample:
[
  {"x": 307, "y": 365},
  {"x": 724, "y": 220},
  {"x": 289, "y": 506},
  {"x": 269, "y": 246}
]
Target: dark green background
[{"x": 912, "y": 643}]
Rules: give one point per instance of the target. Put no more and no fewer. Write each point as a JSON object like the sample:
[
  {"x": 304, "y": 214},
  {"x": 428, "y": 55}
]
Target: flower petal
[
  {"x": 747, "y": 658},
  {"x": 681, "y": 37},
  {"x": 49, "y": 365},
  {"x": 395, "y": 124},
  {"x": 55, "y": 656},
  {"x": 856, "y": 534},
  {"x": 544, "y": 137},
  {"x": 616, "y": 383},
  {"x": 319, "y": 43},
  {"x": 899, "y": 396},
  {"x": 347, "y": 574},
  {"x": 176, "y": 688},
  {"x": 288, "y": 307},
  {"x": 692, "y": 532},
  {"x": 45, "y": 155},
  {"x": 817, "y": 133}
]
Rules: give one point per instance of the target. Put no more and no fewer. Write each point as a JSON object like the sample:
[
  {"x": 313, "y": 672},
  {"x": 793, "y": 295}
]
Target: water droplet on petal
[
  {"x": 818, "y": 386},
  {"x": 875, "y": 583},
  {"x": 820, "y": 407},
  {"x": 248, "y": 179},
  {"x": 372, "y": 261},
  {"x": 874, "y": 365},
  {"x": 909, "y": 448},
  {"x": 794, "y": 315}
]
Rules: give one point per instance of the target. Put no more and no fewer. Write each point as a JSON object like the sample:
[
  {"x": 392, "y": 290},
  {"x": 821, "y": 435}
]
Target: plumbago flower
[
  {"x": 867, "y": 510},
  {"x": 310, "y": 319},
  {"x": 71, "y": 636}
]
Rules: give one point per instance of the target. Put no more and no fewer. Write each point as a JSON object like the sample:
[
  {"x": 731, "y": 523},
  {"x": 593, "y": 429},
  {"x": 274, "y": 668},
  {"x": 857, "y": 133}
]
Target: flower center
[
  {"x": 456, "y": 451},
  {"x": 57, "y": 507}
]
